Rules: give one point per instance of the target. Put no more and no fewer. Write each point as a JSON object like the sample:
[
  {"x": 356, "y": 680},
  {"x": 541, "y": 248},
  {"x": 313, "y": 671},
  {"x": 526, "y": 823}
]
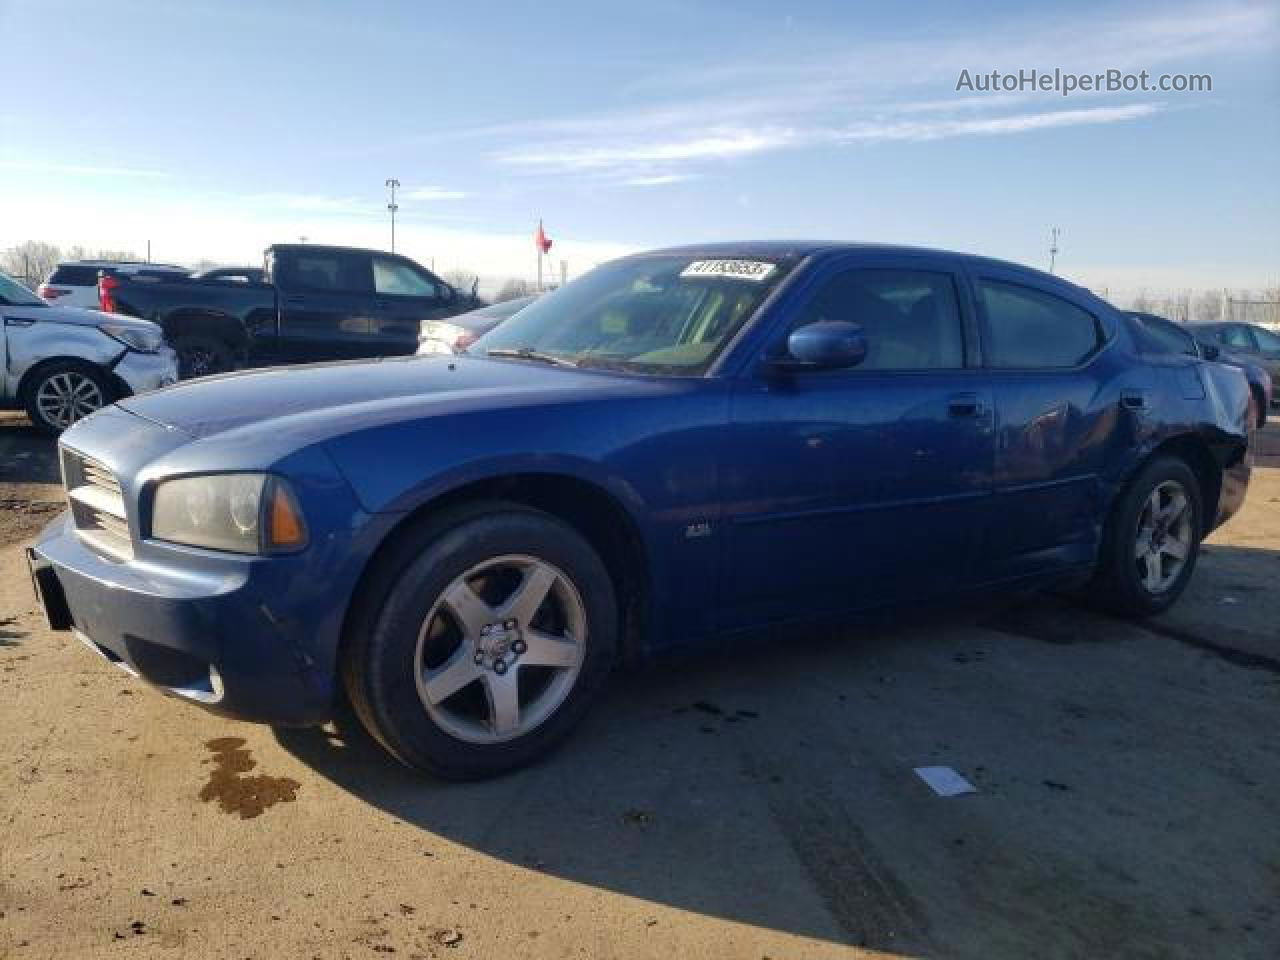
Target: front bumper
[
  {"x": 147, "y": 371},
  {"x": 225, "y": 639}
]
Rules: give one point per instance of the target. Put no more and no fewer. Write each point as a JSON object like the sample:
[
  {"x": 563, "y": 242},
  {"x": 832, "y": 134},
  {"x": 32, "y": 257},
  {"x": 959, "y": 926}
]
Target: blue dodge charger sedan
[{"x": 678, "y": 446}]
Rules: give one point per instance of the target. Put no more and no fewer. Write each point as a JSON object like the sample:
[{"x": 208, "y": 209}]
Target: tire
[
  {"x": 1260, "y": 401},
  {"x": 1136, "y": 583},
  {"x": 202, "y": 356},
  {"x": 63, "y": 392},
  {"x": 407, "y": 644}
]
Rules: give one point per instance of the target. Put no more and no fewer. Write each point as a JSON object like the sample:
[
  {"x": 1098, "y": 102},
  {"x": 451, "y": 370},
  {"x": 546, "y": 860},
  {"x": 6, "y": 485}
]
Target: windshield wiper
[{"x": 528, "y": 353}]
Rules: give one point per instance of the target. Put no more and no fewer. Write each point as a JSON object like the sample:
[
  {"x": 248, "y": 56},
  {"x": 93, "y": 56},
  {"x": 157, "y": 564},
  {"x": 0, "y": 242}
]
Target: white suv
[
  {"x": 63, "y": 363},
  {"x": 74, "y": 283}
]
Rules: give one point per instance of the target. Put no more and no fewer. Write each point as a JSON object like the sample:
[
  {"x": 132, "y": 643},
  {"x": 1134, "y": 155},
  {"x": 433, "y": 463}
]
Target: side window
[
  {"x": 1237, "y": 337},
  {"x": 1268, "y": 342},
  {"x": 396, "y": 279},
  {"x": 910, "y": 317},
  {"x": 74, "y": 276},
  {"x": 1028, "y": 328},
  {"x": 1167, "y": 337},
  {"x": 324, "y": 272}
]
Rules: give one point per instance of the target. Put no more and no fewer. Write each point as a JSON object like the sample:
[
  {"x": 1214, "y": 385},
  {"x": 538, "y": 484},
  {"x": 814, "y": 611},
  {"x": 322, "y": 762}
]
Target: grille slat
[{"x": 97, "y": 504}]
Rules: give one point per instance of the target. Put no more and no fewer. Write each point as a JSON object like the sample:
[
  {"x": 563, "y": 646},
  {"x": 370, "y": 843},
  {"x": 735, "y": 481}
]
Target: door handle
[
  {"x": 965, "y": 405},
  {"x": 295, "y": 301},
  {"x": 18, "y": 322},
  {"x": 1135, "y": 400}
]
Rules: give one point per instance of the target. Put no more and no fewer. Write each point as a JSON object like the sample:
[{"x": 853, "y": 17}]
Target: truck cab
[{"x": 313, "y": 303}]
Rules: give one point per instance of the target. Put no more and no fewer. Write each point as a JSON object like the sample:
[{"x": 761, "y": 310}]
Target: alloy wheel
[
  {"x": 1164, "y": 537},
  {"x": 67, "y": 397},
  {"x": 500, "y": 649}
]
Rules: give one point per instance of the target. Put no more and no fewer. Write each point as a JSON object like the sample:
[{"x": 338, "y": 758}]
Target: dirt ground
[{"x": 756, "y": 802}]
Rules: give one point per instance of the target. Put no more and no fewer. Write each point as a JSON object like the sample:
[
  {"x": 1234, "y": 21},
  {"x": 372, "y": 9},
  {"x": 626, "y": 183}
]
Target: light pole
[
  {"x": 1053, "y": 248},
  {"x": 393, "y": 185}
]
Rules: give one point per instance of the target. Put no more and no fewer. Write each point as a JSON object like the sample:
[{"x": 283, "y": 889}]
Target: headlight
[
  {"x": 240, "y": 512},
  {"x": 140, "y": 338}
]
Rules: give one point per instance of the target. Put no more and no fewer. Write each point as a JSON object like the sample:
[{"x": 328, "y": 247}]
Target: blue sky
[{"x": 214, "y": 128}]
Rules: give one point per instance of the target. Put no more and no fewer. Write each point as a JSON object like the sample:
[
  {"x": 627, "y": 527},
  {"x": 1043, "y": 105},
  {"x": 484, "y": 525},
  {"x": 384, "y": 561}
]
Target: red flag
[{"x": 541, "y": 240}]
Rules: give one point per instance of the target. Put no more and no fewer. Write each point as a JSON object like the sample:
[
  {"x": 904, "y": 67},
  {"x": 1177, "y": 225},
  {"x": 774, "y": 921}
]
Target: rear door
[
  {"x": 1058, "y": 419},
  {"x": 326, "y": 300},
  {"x": 404, "y": 295}
]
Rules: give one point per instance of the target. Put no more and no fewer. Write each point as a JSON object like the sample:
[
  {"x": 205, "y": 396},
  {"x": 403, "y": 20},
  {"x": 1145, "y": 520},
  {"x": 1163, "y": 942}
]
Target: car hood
[
  {"x": 81, "y": 316},
  {"x": 323, "y": 399}
]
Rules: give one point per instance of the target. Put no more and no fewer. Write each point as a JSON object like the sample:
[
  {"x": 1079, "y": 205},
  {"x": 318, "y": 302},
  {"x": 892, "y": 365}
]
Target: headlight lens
[
  {"x": 239, "y": 512},
  {"x": 146, "y": 339}
]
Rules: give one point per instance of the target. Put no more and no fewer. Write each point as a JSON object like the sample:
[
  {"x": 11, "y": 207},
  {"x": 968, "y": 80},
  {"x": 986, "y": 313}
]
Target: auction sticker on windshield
[{"x": 754, "y": 270}]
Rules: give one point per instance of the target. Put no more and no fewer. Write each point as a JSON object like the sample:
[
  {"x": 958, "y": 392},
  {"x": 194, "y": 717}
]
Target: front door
[
  {"x": 326, "y": 301},
  {"x": 848, "y": 489},
  {"x": 405, "y": 295}
]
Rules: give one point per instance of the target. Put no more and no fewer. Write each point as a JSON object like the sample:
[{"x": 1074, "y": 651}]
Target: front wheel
[
  {"x": 64, "y": 392},
  {"x": 488, "y": 645},
  {"x": 1152, "y": 540}
]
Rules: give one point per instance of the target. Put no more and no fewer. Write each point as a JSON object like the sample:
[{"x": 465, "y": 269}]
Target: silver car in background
[{"x": 61, "y": 364}]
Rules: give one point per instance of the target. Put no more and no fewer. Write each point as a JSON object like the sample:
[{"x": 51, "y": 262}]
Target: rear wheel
[
  {"x": 64, "y": 392},
  {"x": 487, "y": 644},
  {"x": 202, "y": 356},
  {"x": 1152, "y": 540}
]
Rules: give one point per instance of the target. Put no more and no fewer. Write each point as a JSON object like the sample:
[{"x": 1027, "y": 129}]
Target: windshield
[
  {"x": 659, "y": 315},
  {"x": 14, "y": 294}
]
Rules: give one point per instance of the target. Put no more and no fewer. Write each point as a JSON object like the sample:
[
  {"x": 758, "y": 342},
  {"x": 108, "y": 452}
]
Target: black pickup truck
[{"x": 314, "y": 303}]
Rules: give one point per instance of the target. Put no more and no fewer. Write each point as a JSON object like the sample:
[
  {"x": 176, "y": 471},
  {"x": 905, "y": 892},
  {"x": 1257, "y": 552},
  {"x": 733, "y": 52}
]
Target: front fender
[{"x": 34, "y": 343}]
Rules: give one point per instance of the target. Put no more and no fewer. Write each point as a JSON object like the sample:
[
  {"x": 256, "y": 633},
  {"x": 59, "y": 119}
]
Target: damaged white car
[{"x": 61, "y": 364}]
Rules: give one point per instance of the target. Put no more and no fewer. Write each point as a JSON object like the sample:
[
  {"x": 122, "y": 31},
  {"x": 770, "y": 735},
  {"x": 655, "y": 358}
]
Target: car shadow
[
  {"x": 770, "y": 783},
  {"x": 26, "y": 454}
]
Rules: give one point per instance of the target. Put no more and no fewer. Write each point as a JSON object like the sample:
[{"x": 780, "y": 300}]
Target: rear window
[
  {"x": 1032, "y": 329},
  {"x": 75, "y": 276},
  {"x": 1157, "y": 335}
]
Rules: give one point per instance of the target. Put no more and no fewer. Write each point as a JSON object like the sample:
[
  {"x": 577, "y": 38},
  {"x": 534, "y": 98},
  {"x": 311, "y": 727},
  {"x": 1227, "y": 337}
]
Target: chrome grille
[{"x": 97, "y": 504}]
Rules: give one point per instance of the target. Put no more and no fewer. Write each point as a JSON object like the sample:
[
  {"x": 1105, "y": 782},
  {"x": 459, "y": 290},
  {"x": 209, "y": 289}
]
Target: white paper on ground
[{"x": 945, "y": 781}]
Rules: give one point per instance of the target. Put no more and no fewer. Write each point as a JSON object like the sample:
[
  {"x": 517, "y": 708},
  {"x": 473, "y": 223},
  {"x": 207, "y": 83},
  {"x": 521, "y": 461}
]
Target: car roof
[
  {"x": 337, "y": 249},
  {"x": 777, "y": 249},
  {"x": 803, "y": 248}
]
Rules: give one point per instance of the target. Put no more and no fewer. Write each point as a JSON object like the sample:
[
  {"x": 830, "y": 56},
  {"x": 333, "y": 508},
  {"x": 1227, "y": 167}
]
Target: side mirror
[
  {"x": 1209, "y": 351},
  {"x": 829, "y": 345}
]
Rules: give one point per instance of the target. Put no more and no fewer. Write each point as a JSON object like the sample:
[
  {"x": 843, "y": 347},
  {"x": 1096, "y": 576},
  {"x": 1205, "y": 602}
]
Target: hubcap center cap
[{"x": 499, "y": 645}]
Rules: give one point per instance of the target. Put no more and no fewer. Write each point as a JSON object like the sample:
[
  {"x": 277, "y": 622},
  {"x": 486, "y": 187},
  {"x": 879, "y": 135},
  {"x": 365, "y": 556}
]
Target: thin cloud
[
  {"x": 628, "y": 163},
  {"x": 894, "y": 89},
  {"x": 582, "y": 157},
  {"x": 80, "y": 170},
  {"x": 658, "y": 179},
  {"x": 994, "y": 126}
]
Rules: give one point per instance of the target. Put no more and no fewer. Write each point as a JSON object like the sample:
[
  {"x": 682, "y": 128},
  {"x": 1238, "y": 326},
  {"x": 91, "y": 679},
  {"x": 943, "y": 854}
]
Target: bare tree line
[
  {"x": 1208, "y": 306},
  {"x": 33, "y": 261}
]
